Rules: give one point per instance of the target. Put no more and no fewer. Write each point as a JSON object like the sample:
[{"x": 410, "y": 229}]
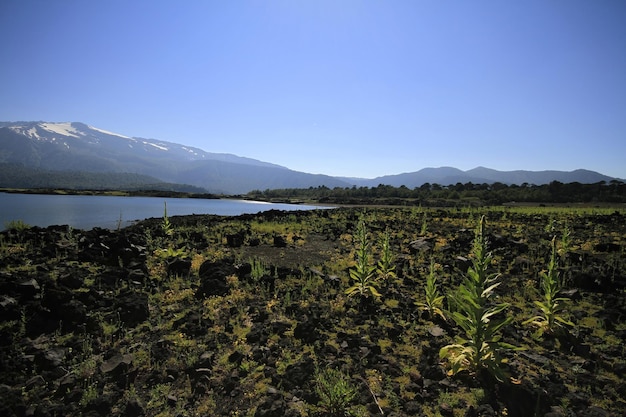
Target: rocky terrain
[{"x": 244, "y": 316}]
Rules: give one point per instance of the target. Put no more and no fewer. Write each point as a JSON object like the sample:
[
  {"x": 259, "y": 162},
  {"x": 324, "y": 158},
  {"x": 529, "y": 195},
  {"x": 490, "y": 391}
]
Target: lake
[{"x": 110, "y": 212}]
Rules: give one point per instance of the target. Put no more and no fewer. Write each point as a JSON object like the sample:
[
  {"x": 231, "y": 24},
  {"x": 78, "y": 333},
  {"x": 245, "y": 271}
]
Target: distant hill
[
  {"x": 481, "y": 175},
  {"x": 60, "y": 151}
]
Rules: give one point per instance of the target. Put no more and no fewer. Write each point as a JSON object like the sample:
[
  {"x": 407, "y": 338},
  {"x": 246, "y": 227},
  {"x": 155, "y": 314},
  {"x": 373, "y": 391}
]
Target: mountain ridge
[{"x": 76, "y": 146}]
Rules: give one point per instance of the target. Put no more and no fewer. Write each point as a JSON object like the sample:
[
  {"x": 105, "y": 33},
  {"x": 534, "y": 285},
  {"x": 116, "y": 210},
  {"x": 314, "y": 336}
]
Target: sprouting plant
[
  {"x": 551, "y": 306},
  {"x": 334, "y": 391},
  {"x": 166, "y": 225},
  {"x": 566, "y": 239},
  {"x": 386, "y": 264},
  {"x": 477, "y": 316},
  {"x": 433, "y": 302},
  {"x": 90, "y": 393},
  {"x": 258, "y": 269},
  {"x": 424, "y": 227},
  {"x": 363, "y": 274},
  {"x": 119, "y": 222}
]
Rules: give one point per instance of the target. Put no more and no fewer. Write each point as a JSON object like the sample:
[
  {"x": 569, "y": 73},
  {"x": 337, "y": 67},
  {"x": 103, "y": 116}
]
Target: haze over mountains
[{"x": 36, "y": 150}]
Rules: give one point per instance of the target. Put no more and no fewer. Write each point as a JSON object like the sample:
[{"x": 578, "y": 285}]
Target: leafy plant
[
  {"x": 477, "y": 316},
  {"x": 335, "y": 392},
  {"x": 258, "y": 269},
  {"x": 424, "y": 227},
  {"x": 433, "y": 303},
  {"x": 566, "y": 239},
  {"x": 171, "y": 253},
  {"x": 551, "y": 306},
  {"x": 167, "y": 227},
  {"x": 386, "y": 264},
  {"x": 17, "y": 225},
  {"x": 363, "y": 274}
]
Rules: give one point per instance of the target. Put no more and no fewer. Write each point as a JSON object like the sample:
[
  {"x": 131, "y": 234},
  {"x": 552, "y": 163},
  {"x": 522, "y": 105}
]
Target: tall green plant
[
  {"x": 363, "y": 274},
  {"x": 166, "y": 225},
  {"x": 433, "y": 302},
  {"x": 476, "y": 315},
  {"x": 386, "y": 266},
  {"x": 258, "y": 269},
  {"x": 552, "y": 305}
]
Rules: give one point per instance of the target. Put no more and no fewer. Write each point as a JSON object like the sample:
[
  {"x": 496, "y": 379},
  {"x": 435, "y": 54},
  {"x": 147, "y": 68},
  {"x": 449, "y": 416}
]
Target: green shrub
[{"x": 18, "y": 225}]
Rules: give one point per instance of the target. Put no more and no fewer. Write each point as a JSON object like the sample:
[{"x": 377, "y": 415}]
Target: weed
[
  {"x": 170, "y": 253},
  {"x": 17, "y": 225},
  {"x": 433, "y": 303},
  {"x": 335, "y": 392},
  {"x": 259, "y": 269},
  {"x": 551, "y": 305},
  {"x": 566, "y": 240},
  {"x": 89, "y": 394},
  {"x": 477, "y": 317},
  {"x": 166, "y": 226},
  {"x": 386, "y": 264},
  {"x": 424, "y": 227},
  {"x": 363, "y": 274}
]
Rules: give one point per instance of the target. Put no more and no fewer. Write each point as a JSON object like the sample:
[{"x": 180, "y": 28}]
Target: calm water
[{"x": 86, "y": 212}]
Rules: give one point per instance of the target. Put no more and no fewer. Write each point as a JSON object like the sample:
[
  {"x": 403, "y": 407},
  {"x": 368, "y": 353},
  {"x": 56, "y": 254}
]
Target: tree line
[
  {"x": 456, "y": 194},
  {"x": 19, "y": 176}
]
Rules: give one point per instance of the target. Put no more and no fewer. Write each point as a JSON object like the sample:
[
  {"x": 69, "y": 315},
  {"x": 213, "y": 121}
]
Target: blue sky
[{"x": 347, "y": 88}]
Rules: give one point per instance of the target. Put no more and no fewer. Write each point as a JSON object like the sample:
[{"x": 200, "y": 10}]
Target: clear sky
[{"x": 338, "y": 87}]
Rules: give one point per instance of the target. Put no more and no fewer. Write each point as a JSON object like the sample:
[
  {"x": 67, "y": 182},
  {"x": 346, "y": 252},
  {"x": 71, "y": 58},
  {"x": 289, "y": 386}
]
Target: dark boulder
[
  {"x": 307, "y": 330},
  {"x": 280, "y": 241},
  {"x": 213, "y": 278},
  {"x": 273, "y": 406},
  {"x": 298, "y": 374},
  {"x": 134, "y": 408},
  {"x": 132, "y": 308},
  {"x": 9, "y": 308},
  {"x": 180, "y": 267},
  {"x": 235, "y": 240},
  {"x": 193, "y": 324}
]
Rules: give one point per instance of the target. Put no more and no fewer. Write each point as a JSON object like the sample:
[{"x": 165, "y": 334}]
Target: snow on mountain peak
[
  {"x": 65, "y": 129},
  {"x": 161, "y": 147},
  {"x": 106, "y": 132},
  {"x": 30, "y": 132}
]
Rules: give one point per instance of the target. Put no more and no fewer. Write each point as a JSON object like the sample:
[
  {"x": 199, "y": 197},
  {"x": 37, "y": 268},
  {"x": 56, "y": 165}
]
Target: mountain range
[{"x": 53, "y": 150}]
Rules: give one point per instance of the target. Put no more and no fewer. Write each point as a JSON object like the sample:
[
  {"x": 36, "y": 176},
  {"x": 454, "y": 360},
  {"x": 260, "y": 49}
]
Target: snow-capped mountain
[
  {"x": 79, "y": 147},
  {"x": 75, "y": 136},
  {"x": 68, "y": 146}
]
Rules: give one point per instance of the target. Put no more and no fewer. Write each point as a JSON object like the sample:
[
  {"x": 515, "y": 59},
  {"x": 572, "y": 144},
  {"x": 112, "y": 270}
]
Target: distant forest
[
  {"x": 457, "y": 194},
  {"x": 18, "y": 176}
]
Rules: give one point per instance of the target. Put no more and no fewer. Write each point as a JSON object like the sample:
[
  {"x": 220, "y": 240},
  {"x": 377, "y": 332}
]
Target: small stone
[
  {"x": 116, "y": 364},
  {"x": 436, "y": 331},
  {"x": 446, "y": 410},
  {"x": 134, "y": 408}
]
